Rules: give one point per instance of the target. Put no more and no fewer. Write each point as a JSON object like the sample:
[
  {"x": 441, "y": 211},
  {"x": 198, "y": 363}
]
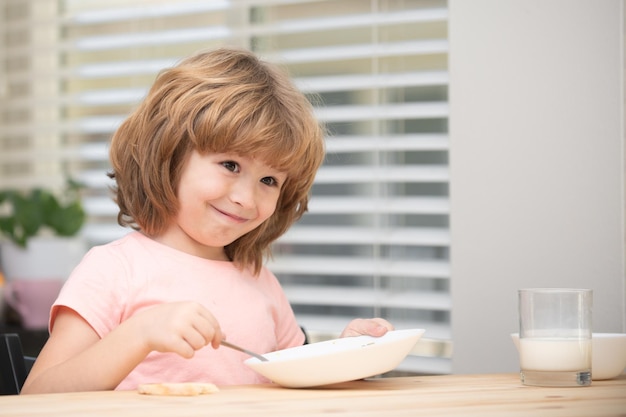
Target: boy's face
[{"x": 221, "y": 197}]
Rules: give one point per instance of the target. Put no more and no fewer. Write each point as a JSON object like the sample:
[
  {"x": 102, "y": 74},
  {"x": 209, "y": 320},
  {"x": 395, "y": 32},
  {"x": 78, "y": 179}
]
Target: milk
[{"x": 555, "y": 354}]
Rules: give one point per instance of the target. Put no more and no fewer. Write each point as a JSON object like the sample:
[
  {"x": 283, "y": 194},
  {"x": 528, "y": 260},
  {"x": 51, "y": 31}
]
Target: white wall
[{"x": 537, "y": 165}]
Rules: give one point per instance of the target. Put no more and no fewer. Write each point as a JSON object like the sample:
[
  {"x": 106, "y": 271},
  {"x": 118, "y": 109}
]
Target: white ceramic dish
[
  {"x": 608, "y": 354},
  {"x": 337, "y": 360}
]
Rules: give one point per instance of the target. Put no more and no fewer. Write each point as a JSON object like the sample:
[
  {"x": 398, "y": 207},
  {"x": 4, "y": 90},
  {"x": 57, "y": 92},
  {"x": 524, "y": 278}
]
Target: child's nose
[{"x": 244, "y": 194}]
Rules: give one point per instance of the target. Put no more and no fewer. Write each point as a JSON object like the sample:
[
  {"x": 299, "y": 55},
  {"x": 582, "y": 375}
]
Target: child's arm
[
  {"x": 371, "y": 327},
  {"x": 76, "y": 359}
]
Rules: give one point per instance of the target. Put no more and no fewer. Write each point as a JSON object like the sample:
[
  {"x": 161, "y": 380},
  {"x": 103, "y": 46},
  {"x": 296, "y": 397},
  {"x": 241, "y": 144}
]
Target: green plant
[{"x": 26, "y": 214}]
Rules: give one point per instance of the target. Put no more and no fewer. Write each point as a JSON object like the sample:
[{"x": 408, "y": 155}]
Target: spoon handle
[{"x": 246, "y": 351}]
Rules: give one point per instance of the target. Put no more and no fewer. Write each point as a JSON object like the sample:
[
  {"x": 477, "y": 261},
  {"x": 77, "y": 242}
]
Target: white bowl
[
  {"x": 337, "y": 360},
  {"x": 608, "y": 354}
]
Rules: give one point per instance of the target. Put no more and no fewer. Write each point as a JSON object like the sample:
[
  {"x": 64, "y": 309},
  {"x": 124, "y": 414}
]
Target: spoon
[{"x": 246, "y": 351}]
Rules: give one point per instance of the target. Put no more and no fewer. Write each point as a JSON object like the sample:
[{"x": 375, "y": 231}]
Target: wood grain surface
[{"x": 446, "y": 395}]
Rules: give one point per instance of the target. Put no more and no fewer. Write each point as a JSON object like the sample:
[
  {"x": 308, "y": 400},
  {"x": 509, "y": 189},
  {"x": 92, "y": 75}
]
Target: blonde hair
[{"x": 226, "y": 100}]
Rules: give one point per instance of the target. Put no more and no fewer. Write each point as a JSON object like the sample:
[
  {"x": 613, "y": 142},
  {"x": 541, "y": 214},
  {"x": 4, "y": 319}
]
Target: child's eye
[
  {"x": 231, "y": 166},
  {"x": 271, "y": 181}
]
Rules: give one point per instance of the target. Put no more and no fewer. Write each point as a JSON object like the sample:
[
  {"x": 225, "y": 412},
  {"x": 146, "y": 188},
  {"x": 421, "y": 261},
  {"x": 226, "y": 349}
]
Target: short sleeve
[{"x": 96, "y": 290}]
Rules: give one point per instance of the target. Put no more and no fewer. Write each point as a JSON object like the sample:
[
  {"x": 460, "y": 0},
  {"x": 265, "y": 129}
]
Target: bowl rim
[
  {"x": 607, "y": 335},
  {"x": 597, "y": 334}
]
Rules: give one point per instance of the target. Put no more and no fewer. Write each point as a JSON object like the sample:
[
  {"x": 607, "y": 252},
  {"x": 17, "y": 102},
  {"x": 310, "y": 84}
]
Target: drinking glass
[{"x": 555, "y": 336}]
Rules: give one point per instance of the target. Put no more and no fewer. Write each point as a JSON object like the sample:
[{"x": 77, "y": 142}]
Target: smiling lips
[{"x": 231, "y": 216}]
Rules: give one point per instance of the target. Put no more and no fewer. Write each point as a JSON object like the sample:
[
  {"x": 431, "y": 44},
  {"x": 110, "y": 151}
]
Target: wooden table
[{"x": 449, "y": 395}]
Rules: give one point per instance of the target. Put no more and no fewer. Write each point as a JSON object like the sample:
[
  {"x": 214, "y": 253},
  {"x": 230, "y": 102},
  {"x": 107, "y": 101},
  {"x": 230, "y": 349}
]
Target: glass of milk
[{"x": 555, "y": 336}]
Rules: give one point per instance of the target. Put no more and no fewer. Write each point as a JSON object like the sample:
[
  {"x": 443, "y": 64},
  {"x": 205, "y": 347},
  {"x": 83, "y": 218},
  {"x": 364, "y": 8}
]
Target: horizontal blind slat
[
  {"x": 366, "y": 81},
  {"x": 353, "y": 266},
  {"x": 383, "y": 112},
  {"x": 408, "y": 142},
  {"x": 426, "y": 365},
  {"x": 159, "y": 10},
  {"x": 366, "y": 236},
  {"x": 358, "y": 205},
  {"x": 128, "y": 40},
  {"x": 386, "y": 173},
  {"x": 359, "y": 51},
  {"x": 111, "y": 96},
  {"x": 350, "y": 21},
  {"x": 107, "y": 124},
  {"x": 362, "y": 296}
]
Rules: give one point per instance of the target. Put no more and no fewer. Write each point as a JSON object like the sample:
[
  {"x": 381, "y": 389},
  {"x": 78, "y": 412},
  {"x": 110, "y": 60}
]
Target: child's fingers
[{"x": 371, "y": 327}]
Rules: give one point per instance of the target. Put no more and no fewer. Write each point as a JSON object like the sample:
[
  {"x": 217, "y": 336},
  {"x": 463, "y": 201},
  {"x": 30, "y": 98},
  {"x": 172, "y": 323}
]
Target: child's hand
[
  {"x": 181, "y": 327},
  {"x": 371, "y": 327}
]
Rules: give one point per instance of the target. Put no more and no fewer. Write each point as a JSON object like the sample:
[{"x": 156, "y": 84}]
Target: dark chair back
[{"x": 14, "y": 366}]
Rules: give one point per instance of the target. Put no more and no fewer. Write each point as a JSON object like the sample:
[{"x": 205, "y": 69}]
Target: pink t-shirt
[{"x": 117, "y": 280}]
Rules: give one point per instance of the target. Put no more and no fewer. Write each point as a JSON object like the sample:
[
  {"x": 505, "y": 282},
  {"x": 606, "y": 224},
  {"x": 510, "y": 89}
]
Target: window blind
[{"x": 375, "y": 241}]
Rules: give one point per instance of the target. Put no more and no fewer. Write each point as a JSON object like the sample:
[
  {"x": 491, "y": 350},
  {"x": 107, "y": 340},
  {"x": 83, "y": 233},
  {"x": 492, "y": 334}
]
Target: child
[{"x": 213, "y": 166}]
